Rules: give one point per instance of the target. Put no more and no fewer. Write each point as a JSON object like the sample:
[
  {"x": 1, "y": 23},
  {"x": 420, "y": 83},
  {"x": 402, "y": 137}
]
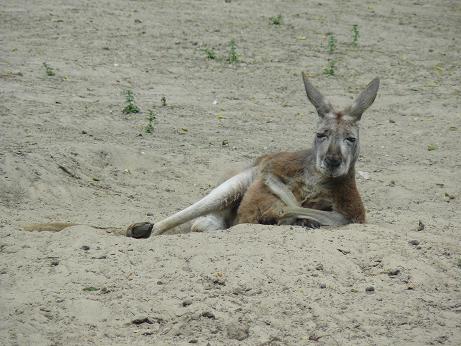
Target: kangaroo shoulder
[{"x": 285, "y": 164}]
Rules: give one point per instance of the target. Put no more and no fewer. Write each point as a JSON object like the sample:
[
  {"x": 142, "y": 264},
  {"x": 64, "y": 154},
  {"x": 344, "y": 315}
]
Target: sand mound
[
  {"x": 69, "y": 154},
  {"x": 262, "y": 284}
]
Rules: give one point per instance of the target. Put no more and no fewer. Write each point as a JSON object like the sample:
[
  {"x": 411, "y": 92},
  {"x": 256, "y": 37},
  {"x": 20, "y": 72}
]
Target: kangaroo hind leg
[
  {"x": 216, "y": 221},
  {"x": 224, "y": 197}
]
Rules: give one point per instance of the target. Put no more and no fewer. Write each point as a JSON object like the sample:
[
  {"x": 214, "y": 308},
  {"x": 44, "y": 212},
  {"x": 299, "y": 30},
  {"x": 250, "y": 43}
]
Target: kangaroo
[{"x": 312, "y": 188}]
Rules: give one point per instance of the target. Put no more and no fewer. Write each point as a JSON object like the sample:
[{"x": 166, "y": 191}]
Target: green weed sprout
[
  {"x": 131, "y": 106},
  {"x": 49, "y": 70},
  {"x": 151, "y": 122},
  {"x": 331, "y": 43},
  {"x": 276, "y": 20},
  {"x": 355, "y": 35},
  {"x": 233, "y": 55}
]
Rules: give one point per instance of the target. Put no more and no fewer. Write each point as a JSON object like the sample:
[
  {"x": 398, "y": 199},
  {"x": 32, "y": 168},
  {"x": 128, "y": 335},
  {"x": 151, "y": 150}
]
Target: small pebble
[
  {"x": 421, "y": 226},
  {"x": 208, "y": 314},
  {"x": 54, "y": 262},
  {"x": 85, "y": 247},
  {"x": 186, "y": 302},
  {"x": 237, "y": 331},
  {"x": 414, "y": 242},
  {"x": 393, "y": 272},
  {"x": 319, "y": 266},
  {"x": 142, "y": 320},
  {"x": 370, "y": 289},
  {"x": 323, "y": 286},
  {"x": 449, "y": 196}
]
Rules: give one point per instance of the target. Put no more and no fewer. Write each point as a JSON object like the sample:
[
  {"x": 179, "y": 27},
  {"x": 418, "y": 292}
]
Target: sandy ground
[{"x": 68, "y": 153}]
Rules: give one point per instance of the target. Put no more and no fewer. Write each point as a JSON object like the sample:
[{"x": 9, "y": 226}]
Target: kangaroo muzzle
[{"x": 332, "y": 163}]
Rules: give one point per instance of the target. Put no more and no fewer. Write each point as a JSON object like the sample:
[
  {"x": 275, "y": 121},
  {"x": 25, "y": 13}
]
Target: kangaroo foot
[
  {"x": 307, "y": 223},
  {"x": 140, "y": 230}
]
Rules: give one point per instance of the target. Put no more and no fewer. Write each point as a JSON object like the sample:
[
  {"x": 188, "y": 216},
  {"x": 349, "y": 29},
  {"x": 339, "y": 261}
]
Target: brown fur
[
  {"x": 346, "y": 199},
  {"x": 260, "y": 205}
]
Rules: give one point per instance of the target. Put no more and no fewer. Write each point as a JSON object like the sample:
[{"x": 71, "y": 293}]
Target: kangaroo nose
[{"x": 332, "y": 162}]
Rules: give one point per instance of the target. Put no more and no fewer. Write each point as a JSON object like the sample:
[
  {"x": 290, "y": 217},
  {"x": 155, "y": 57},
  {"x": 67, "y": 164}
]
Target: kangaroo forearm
[
  {"x": 294, "y": 211},
  {"x": 281, "y": 190}
]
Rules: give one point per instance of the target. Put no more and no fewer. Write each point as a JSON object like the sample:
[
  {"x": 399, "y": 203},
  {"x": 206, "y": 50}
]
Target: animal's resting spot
[
  {"x": 295, "y": 181},
  {"x": 315, "y": 186}
]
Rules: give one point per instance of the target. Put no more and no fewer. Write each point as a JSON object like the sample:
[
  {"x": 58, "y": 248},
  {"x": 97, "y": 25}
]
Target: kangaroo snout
[{"x": 333, "y": 162}]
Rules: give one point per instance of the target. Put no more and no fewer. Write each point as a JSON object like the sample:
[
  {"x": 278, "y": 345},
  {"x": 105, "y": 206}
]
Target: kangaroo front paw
[
  {"x": 306, "y": 223},
  {"x": 140, "y": 230}
]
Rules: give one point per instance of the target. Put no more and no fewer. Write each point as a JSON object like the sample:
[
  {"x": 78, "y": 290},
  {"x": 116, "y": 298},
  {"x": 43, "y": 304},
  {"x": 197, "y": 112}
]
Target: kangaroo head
[{"x": 336, "y": 144}]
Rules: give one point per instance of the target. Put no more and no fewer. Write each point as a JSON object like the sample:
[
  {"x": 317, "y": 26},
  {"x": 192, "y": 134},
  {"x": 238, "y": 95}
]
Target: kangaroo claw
[{"x": 140, "y": 230}]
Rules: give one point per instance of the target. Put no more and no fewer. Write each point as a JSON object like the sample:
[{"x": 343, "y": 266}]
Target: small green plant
[
  {"x": 432, "y": 147},
  {"x": 276, "y": 20},
  {"x": 233, "y": 55},
  {"x": 355, "y": 35},
  {"x": 151, "y": 121},
  {"x": 131, "y": 106},
  {"x": 49, "y": 70},
  {"x": 210, "y": 53},
  {"x": 331, "y": 43},
  {"x": 330, "y": 69},
  {"x": 90, "y": 289}
]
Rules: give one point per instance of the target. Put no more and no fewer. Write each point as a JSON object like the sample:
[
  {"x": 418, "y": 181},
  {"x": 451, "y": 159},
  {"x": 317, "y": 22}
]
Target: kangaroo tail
[{"x": 219, "y": 198}]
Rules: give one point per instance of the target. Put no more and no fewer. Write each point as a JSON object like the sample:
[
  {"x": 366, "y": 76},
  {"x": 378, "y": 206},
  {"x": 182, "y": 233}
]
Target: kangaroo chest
[{"x": 311, "y": 194}]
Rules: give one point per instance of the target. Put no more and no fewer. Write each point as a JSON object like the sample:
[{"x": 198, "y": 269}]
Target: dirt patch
[{"x": 70, "y": 154}]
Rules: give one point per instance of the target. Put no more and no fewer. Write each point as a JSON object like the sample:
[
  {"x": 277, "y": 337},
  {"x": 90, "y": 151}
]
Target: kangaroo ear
[
  {"x": 364, "y": 100},
  {"x": 317, "y": 99}
]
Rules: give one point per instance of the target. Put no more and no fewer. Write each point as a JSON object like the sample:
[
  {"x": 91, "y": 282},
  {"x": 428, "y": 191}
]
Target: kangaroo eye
[
  {"x": 350, "y": 139},
  {"x": 321, "y": 135}
]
